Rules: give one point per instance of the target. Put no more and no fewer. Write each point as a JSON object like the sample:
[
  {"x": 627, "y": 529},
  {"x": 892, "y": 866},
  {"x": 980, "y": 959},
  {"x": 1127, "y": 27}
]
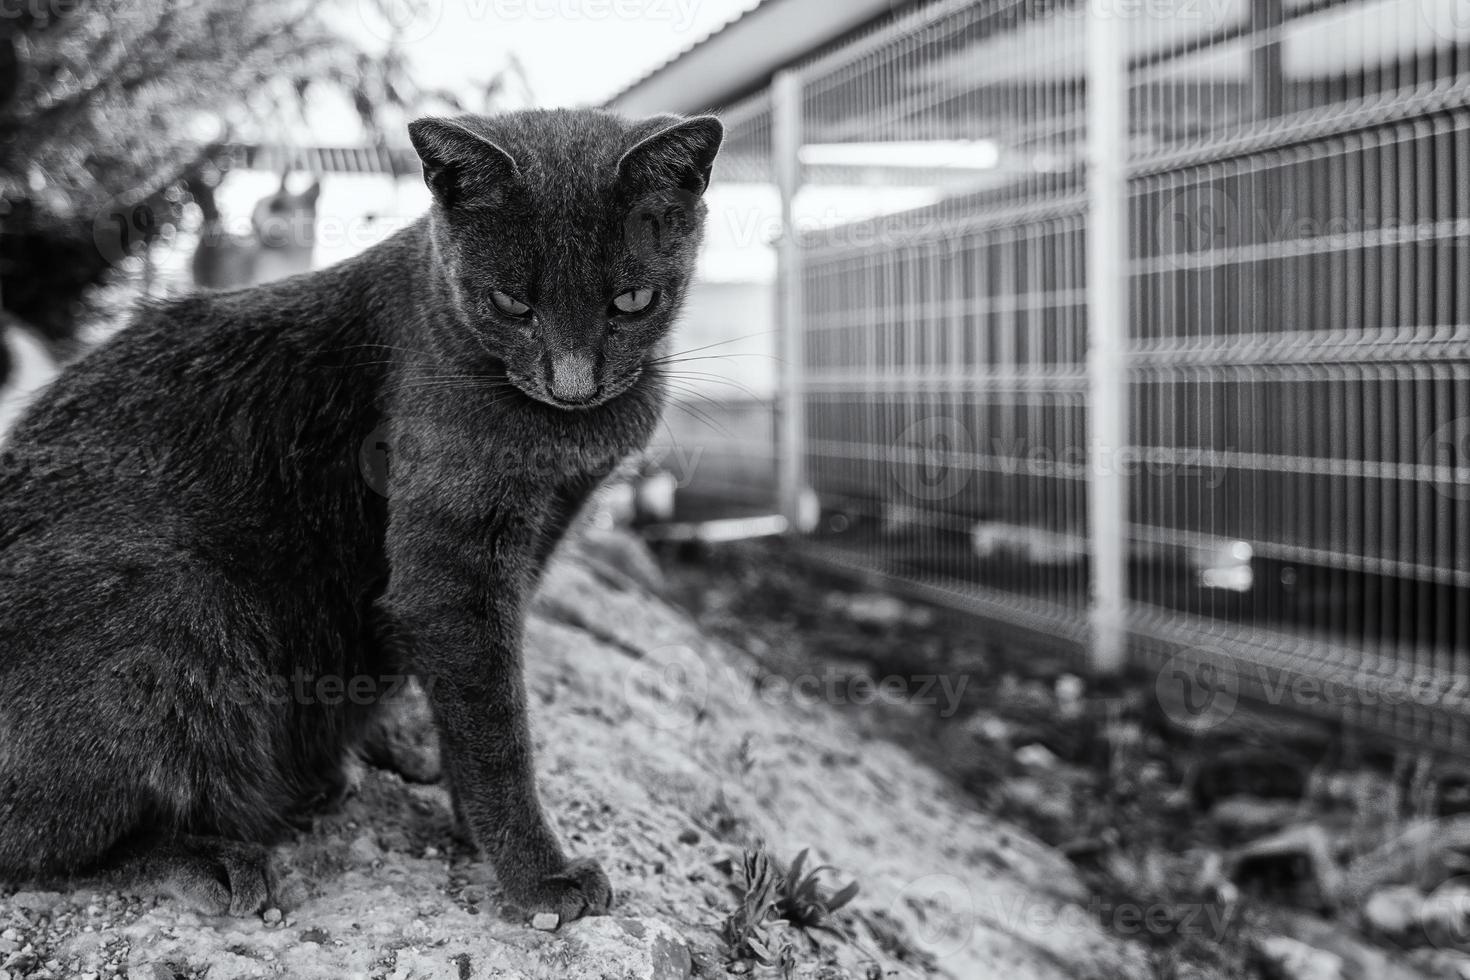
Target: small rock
[
  {"x": 1038, "y": 798},
  {"x": 689, "y": 836},
  {"x": 23, "y": 962},
  {"x": 545, "y": 921},
  {"x": 35, "y": 901},
  {"x": 1394, "y": 911},
  {"x": 987, "y": 727},
  {"x": 1036, "y": 756},
  {"x": 1288, "y": 959},
  {"x": 1248, "y": 816},
  {"x": 272, "y": 916},
  {"x": 365, "y": 850}
]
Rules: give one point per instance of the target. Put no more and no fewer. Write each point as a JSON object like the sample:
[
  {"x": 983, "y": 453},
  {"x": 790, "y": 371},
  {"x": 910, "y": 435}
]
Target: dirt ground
[
  {"x": 1270, "y": 847},
  {"x": 672, "y": 757}
]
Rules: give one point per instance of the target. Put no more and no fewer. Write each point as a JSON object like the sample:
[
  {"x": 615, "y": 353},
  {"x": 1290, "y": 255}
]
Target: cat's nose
[{"x": 573, "y": 378}]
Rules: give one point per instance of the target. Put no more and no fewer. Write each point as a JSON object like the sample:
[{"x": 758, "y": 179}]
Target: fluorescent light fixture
[{"x": 927, "y": 154}]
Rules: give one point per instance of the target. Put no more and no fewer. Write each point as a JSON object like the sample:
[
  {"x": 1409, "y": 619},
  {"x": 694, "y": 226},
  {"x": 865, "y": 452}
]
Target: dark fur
[{"x": 185, "y": 528}]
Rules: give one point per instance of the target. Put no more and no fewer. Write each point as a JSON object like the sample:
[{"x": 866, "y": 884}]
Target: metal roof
[{"x": 741, "y": 57}]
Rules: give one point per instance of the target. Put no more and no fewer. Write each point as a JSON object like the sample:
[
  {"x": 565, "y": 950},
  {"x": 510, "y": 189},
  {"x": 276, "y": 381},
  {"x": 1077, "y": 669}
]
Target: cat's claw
[{"x": 581, "y": 889}]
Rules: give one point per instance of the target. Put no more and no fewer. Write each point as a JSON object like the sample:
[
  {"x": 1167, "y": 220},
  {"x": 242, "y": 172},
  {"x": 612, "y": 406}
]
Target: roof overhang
[{"x": 742, "y": 56}]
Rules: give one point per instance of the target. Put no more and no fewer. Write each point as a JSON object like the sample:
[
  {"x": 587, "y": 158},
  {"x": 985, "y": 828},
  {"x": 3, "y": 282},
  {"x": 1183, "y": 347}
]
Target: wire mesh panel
[
  {"x": 718, "y": 445},
  {"x": 1300, "y": 280},
  {"x": 1293, "y": 411},
  {"x": 943, "y": 284}
]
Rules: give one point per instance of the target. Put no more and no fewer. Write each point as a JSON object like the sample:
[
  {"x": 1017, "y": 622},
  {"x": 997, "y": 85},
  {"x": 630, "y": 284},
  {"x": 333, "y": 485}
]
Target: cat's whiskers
[
  {"x": 700, "y": 377},
  {"x": 694, "y": 411},
  {"x": 693, "y": 392},
  {"x": 390, "y": 347},
  {"x": 700, "y": 417},
  {"x": 722, "y": 343},
  {"x": 715, "y": 357}
]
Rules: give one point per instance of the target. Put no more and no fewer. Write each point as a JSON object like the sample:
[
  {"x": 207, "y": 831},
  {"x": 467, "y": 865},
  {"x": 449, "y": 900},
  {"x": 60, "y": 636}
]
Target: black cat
[{"x": 203, "y": 596}]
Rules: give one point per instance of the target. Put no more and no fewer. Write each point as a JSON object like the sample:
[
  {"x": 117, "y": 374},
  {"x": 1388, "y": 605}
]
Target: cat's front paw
[{"x": 580, "y": 889}]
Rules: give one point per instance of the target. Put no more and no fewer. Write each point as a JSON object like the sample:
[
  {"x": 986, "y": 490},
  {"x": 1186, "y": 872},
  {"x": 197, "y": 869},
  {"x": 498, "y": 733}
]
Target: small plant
[
  {"x": 805, "y": 906},
  {"x": 749, "y": 928},
  {"x": 768, "y": 898}
]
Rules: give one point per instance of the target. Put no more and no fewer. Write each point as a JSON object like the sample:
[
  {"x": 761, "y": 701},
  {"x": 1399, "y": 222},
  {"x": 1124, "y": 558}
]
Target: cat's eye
[
  {"x": 508, "y": 304},
  {"x": 634, "y": 301}
]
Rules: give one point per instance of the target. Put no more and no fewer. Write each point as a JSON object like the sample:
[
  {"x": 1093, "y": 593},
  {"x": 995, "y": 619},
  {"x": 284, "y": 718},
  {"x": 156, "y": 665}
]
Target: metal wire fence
[{"x": 1142, "y": 328}]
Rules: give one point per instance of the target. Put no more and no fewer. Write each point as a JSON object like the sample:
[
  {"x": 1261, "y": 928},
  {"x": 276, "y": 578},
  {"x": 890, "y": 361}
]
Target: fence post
[
  {"x": 1107, "y": 329},
  {"x": 786, "y": 138}
]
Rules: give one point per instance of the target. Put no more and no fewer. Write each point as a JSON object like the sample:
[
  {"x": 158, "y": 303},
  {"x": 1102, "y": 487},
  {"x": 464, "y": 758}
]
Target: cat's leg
[
  {"x": 400, "y": 736},
  {"x": 212, "y": 875},
  {"x": 55, "y": 823},
  {"x": 460, "y": 599},
  {"x": 566, "y": 503},
  {"x": 117, "y": 722},
  {"x": 397, "y": 732}
]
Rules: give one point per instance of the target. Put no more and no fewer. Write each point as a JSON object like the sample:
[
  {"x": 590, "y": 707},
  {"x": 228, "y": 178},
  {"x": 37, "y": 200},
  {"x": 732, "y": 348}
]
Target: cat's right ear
[{"x": 461, "y": 167}]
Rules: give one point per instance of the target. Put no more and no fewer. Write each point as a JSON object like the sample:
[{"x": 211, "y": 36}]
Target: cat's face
[{"x": 568, "y": 240}]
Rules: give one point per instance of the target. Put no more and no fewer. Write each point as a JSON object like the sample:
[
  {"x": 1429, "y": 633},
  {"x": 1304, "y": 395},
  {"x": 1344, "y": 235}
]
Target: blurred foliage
[{"x": 110, "y": 111}]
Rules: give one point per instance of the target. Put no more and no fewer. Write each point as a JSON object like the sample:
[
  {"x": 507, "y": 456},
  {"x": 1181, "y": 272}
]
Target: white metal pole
[
  {"x": 791, "y": 423},
  {"x": 1107, "y": 320}
]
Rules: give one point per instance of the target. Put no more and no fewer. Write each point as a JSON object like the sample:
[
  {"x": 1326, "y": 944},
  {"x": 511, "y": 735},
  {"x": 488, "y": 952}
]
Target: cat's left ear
[{"x": 681, "y": 155}]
